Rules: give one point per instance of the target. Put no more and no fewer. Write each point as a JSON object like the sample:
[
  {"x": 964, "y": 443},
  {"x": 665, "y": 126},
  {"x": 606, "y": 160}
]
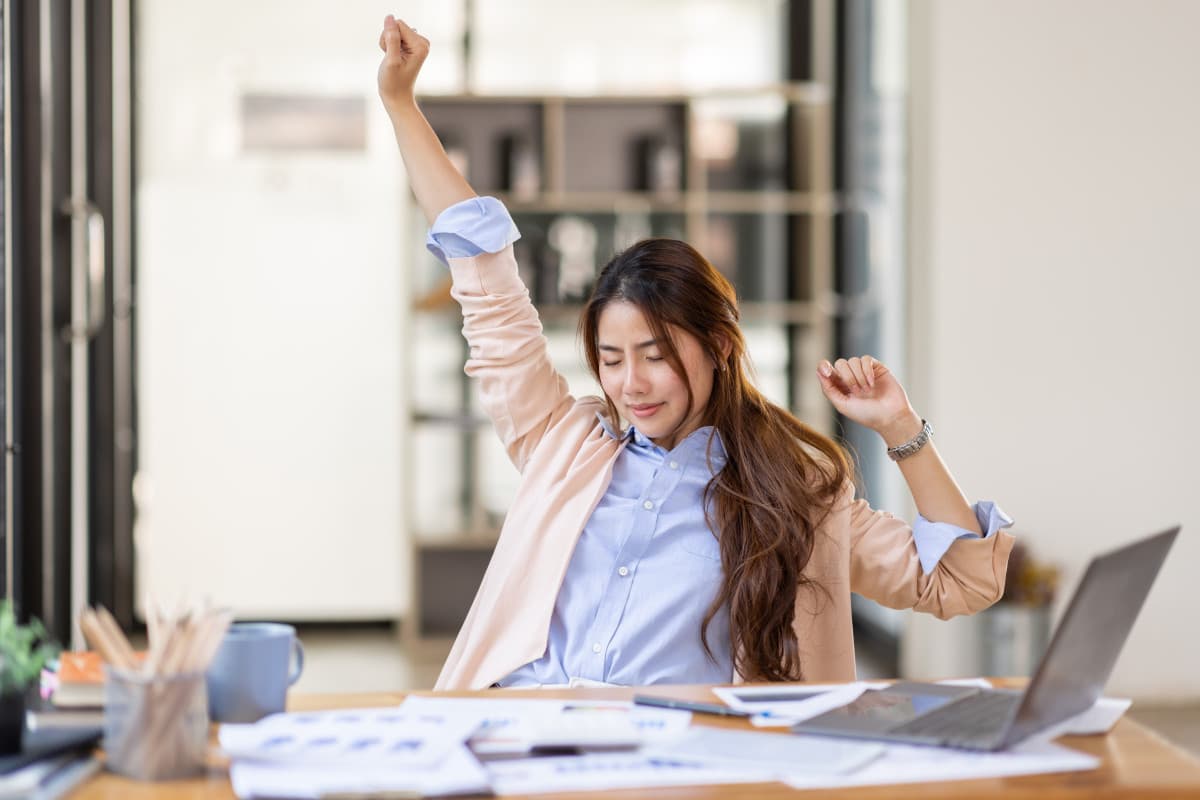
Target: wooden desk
[{"x": 1135, "y": 763}]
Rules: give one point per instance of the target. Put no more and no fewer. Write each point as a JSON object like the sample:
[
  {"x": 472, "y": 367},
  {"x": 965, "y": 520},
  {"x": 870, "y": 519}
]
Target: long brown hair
[{"x": 780, "y": 477}]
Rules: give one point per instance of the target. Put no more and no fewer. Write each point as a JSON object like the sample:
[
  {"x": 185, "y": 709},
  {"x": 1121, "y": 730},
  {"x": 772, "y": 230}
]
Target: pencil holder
[{"x": 155, "y": 728}]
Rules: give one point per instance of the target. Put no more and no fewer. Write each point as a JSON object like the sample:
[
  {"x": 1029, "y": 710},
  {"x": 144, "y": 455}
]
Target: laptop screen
[{"x": 1091, "y": 634}]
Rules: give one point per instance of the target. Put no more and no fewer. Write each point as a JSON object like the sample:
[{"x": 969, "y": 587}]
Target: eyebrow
[{"x": 640, "y": 346}]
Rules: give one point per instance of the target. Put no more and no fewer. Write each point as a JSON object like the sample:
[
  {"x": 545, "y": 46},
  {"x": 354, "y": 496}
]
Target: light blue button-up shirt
[
  {"x": 643, "y": 574},
  {"x": 647, "y": 566}
]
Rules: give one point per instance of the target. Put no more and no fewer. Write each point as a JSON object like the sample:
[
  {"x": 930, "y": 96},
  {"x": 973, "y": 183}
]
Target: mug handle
[{"x": 298, "y": 655}]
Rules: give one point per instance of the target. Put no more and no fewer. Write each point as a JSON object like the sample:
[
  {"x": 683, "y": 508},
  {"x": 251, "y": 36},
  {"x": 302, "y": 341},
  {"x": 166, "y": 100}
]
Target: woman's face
[{"x": 638, "y": 379}]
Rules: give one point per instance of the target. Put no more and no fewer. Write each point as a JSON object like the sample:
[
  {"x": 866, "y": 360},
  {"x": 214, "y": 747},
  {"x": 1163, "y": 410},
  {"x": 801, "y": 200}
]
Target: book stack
[
  {"x": 73, "y": 692},
  {"x": 80, "y": 681},
  {"x": 49, "y": 764}
]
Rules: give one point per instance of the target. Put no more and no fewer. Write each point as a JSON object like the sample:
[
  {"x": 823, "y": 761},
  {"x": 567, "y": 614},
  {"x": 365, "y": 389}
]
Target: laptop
[{"x": 1069, "y": 679}]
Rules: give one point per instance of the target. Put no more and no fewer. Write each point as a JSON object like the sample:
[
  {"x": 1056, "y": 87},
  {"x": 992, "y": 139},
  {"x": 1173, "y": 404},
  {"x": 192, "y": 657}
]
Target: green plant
[{"x": 24, "y": 650}]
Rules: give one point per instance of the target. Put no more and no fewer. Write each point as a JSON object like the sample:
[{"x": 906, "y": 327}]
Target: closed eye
[{"x": 611, "y": 363}]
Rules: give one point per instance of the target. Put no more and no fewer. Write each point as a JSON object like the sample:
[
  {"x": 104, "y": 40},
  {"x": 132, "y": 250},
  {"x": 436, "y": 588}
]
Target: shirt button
[
  {"x": 623, "y": 571},
  {"x": 596, "y": 647},
  {"x": 674, "y": 465},
  {"x": 647, "y": 505}
]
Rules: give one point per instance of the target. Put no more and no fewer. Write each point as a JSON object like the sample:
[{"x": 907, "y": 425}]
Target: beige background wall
[{"x": 1056, "y": 212}]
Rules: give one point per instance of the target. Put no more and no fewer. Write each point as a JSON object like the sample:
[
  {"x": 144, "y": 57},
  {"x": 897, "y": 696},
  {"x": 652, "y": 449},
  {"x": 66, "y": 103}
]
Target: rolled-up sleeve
[
  {"x": 470, "y": 227},
  {"x": 933, "y": 539}
]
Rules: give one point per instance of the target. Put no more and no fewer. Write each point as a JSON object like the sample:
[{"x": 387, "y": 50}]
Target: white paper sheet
[
  {"x": 373, "y": 736},
  {"x": 607, "y": 771},
  {"x": 978, "y": 683},
  {"x": 775, "y": 753},
  {"x": 910, "y": 764},
  {"x": 1098, "y": 719},
  {"x": 509, "y": 726},
  {"x": 458, "y": 773}
]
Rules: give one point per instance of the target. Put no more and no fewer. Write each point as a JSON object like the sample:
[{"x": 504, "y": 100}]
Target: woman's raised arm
[
  {"x": 866, "y": 391},
  {"x": 435, "y": 182}
]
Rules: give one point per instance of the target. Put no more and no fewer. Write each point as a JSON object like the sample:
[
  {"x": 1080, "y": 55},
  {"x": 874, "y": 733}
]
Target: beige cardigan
[{"x": 566, "y": 462}]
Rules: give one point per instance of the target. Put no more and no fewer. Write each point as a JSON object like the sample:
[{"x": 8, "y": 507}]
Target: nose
[{"x": 635, "y": 378}]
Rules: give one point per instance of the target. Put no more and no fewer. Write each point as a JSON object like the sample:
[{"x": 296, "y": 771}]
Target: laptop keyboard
[{"x": 975, "y": 722}]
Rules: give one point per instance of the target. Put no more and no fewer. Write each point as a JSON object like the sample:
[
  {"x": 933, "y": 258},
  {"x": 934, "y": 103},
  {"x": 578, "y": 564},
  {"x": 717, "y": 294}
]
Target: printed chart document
[
  {"x": 388, "y": 736},
  {"x": 459, "y": 773},
  {"x": 515, "y": 727},
  {"x": 370, "y": 751},
  {"x": 599, "y": 771}
]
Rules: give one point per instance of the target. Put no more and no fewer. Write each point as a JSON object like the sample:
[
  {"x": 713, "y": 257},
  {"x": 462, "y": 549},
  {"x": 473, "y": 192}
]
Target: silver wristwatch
[{"x": 913, "y": 445}]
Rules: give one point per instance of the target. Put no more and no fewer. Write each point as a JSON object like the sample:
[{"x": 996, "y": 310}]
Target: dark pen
[{"x": 688, "y": 705}]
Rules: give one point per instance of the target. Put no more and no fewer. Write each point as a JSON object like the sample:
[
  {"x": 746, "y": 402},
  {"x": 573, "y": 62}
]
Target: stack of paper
[
  {"x": 674, "y": 756},
  {"x": 430, "y": 746},
  {"x": 365, "y": 751},
  {"x": 511, "y": 728},
  {"x": 458, "y": 773},
  {"x": 433, "y": 746}
]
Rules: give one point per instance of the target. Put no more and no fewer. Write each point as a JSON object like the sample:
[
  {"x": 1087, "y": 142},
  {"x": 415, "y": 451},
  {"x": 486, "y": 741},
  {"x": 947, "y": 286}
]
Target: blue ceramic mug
[{"x": 251, "y": 672}]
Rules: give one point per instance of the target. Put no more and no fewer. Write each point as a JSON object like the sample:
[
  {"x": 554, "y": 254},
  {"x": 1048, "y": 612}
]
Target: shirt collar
[
  {"x": 697, "y": 438},
  {"x": 608, "y": 428}
]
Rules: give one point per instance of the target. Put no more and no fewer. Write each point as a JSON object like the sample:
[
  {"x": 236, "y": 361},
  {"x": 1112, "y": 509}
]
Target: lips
[{"x": 645, "y": 410}]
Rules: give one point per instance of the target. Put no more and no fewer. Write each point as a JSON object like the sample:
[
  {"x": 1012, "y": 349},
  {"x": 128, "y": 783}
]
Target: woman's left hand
[
  {"x": 404, "y": 51},
  {"x": 864, "y": 390}
]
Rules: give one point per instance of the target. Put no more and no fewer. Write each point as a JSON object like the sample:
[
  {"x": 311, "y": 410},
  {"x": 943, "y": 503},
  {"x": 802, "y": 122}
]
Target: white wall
[
  {"x": 625, "y": 45},
  {"x": 1056, "y": 205},
  {"x": 271, "y": 303}
]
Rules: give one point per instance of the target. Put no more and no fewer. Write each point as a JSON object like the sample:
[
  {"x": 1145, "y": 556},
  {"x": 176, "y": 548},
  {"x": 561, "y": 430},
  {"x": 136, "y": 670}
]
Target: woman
[{"x": 714, "y": 538}]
